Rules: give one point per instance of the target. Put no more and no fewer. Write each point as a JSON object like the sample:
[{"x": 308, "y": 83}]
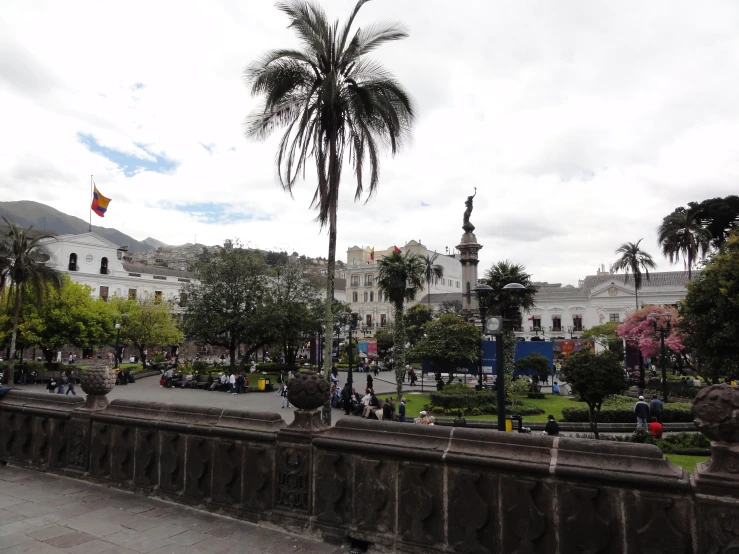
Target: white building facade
[{"x": 374, "y": 308}]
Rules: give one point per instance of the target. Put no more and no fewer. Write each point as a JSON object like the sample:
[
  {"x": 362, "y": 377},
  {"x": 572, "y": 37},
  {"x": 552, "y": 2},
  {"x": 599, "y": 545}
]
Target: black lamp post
[
  {"x": 352, "y": 325},
  {"x": 663, "y": 329},
  {"x": 482, "y": 291},
  {"x": 117, "y": 326}
]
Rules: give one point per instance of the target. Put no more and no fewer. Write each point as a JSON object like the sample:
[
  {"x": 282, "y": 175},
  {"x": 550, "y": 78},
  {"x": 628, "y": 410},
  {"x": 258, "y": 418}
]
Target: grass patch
[{"x": 688, "y": 463}]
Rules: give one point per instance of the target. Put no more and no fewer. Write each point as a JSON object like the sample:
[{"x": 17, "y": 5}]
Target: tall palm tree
[
  {"x": 432, "y": 271},
  {"x": 332, "y": 100},
  {"x": 682, "y": 233},
  {"x": 400, "y": 276},
  {"x": 633, "y": 259},
  {"x": 23, "y": 271}
]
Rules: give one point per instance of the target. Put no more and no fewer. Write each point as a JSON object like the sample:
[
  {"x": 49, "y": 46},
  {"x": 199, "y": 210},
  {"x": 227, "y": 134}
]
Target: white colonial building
[
  {"x": 91, "y": 260},
  {"x": 363, "y": 295}
]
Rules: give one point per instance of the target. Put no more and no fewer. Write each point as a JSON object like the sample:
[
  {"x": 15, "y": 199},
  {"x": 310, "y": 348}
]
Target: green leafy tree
[
  {"x": 606, "y": 335},
  {"x": 450, "y": 342},
  {"x": 720, "y": 217},
  {"x": 534, "y": 362},
  {"x": 24, "y": 275},
  {"x": 450, "y": 307},
  {"x": 433, "y": 271},
  {"x": 384, "y": 342},
  {"x": 69, "y": 316},
  {"x": 682, "y": 234},
  {"x": 510, "y": 306},
  {"x": 595, "y": 377},
  {"x": 335, "y": 103},
  {"x": 149, "y": 321},
  {"x": 416, "y": 318},
  {"x": 227, "y": 305},
  {"x": 709, "y": 315},
  {"x": 400, "y": 276}
]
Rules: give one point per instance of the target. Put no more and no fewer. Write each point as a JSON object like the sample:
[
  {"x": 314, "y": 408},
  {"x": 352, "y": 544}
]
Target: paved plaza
[{"x": 47, "y": 514}]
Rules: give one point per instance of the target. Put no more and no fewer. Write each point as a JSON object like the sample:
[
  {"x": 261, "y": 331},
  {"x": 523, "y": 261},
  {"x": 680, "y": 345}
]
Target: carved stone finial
[
  {"x": 716, "y": 412},
  {"x": 97, "y": 381},
  {"x": 308, "y": 391}
]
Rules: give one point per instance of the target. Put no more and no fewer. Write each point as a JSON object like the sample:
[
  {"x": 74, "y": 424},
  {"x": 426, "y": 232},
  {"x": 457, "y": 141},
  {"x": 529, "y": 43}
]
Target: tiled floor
[{"x": 48, "y": 514}]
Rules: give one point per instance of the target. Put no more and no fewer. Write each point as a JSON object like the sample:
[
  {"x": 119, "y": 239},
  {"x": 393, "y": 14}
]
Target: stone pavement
[{"x": 42, "y": 513}]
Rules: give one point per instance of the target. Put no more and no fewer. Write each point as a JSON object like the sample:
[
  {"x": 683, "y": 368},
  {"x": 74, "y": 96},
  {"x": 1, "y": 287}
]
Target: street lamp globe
[{"x": 482, "y": 291}]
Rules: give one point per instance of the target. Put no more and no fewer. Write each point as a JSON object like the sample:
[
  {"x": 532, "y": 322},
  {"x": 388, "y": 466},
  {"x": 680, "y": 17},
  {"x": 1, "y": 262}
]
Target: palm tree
[
  {"x": 682, "y": 233},
  {"x": 332, "y": 100},
  {"x": 633, "y": 259},
  {"x": 23, "y": 270},
  {"x": 432, "y": 270},
  {"x": 400, "y": 276}
]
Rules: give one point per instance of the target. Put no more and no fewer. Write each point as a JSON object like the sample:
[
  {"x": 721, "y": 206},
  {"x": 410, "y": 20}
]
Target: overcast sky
[{"x": 580, "y": 123}]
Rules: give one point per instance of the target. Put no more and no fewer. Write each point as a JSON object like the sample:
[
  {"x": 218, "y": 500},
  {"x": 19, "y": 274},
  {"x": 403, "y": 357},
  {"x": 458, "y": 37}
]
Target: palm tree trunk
[
  {"x": 690, "y": 266},
  {"x": 428, "y": 284},
  {"x": 399, "y": 349},
  {"x": 642, "y": 376},
  {"x": 14, "y": 336},
  {"x": 509, "y": 356}
]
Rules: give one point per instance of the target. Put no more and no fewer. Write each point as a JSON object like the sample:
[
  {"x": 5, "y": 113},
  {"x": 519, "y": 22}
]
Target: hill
[{"x": 41, "y": 216}]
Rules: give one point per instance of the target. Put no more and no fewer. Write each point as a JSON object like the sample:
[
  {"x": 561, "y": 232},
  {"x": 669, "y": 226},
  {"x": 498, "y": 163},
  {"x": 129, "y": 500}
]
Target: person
[
  {"x": 655, "y": 408},
  {"x": 552, "y": 427},
  {"x": 375, "y": 369},
  {"x": 62, "y": 381},
  {"x": 460, "y": 421},
  {"x": 432, "y": 420},
  {"x": 284, "y": 396},
  {"x": 187, "y": 380},
  {"x": 370, "y": 381},
  {"x": 555, "y": 388},
  {"x": 281, "y": 381},
  {"x": 655, "y": 428},
  {"x": 423, "y": 420},
  {"x": 413, "y": 378},
  {"x": 346, "y": 397},
  {"x": 71, "y": 359},
  {"x": 558, "y": 366},
  {"x": 387, "y": 410},
  {"x": 232, "y": 382},
  {"x": 51, "y": 386},
  {"x": 335, "y": 377},
  {"x": 168, "y": 377},
  {"x": 401, "y": 410},
  {"x": 59, "y": 356},
  {"x": 373, "y": 404},
  {"x": 365, "y": 403},
  {"x": 240, "y": 383},
  {"x": 408, "y": 372},
  {"x": 24, "y": 375},
  {"x": 641, "y": 410},
  {"x": 70, "y": 383}
]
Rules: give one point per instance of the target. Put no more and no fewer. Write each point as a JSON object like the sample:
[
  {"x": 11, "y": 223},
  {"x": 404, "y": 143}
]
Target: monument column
[{"x": 468, "y": 249}]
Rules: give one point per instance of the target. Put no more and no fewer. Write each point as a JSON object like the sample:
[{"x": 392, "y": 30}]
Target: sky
[{"x": 580, "y": 123}]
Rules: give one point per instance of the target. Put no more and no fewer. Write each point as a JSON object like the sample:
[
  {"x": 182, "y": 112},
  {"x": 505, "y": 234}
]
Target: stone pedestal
[{"x": 469, "y": 248}]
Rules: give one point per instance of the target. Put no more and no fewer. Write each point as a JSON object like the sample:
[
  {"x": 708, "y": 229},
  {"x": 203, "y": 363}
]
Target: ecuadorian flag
[{"x": 99, "y": 203}]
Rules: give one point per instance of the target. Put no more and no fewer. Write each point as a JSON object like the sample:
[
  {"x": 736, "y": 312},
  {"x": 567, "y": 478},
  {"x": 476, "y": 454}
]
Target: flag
[
  {"x": 99, "y": 203},
  {"x": 372, "y": 254},
  {"x": 531, "y": 318},
  {"x": 396, "y": 249}
]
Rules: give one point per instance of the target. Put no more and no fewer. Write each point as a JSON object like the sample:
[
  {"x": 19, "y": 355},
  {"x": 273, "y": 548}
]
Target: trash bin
[
  {"x": 261, "y": 383},
  {"x": 508, "y": 425}
]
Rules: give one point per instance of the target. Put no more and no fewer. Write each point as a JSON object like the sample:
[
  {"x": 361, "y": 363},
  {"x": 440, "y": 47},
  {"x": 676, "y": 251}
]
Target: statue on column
[{"x": 467, "y": 226}]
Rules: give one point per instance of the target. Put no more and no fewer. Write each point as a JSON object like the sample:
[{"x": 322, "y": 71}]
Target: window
[
  {"x": 366, "y": 296},
  {"x": 372, "y": 296},
  {"x": 73, "y": 262},
  {"x": 183, "y": 299},
  {"x": 386, "y": 297},
  {"x": 443, "y": 282},
  {"x": 368, "y": 280},
  {"x": 613, "y": 317},
  {"x": 160, "y": 277},
  {"x": 457, "y": 284},
  {"x": 157, "y": 296},
  {"x": 104, "y": 293},
  {"x": 556, "y": 323},
  {"x": 383, "y": 320},
  {"x": 369, "y": 320},
  {"x": 132, "y": 294},
  {"x": 104, "y": 266},
  {"x": 577, "y": 322},
  {"x": 134, "y": 274},
  {"x": 355, "y": 280},
  {"x": 355, "y": 296},
  {"x": 181, "y": 280},
  {"x": 536, "y": 322}
]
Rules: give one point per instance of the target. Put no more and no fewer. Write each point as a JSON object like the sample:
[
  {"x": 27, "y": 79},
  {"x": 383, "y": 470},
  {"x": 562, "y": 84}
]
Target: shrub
[
  {"x": 674, "y": 412},
  {"x": 536, "y": 395},
  {"x": 463, "y": 398},
  {"x": 475, "y": 411}
]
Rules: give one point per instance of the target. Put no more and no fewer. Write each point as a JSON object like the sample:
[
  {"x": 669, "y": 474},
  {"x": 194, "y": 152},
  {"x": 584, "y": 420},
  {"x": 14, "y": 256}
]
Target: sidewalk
[{"x": 42, "y": 513}]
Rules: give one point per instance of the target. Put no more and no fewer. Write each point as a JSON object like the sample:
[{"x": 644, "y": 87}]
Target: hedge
[
  {"x": 485, "y": 409},
  {"x": 459, "y": 399},
  {"x": 674, "y": 412}
]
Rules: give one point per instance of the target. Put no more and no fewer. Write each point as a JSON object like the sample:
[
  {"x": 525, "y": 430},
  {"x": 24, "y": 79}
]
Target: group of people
[
  {"x": 651, "y": 412},
  {"x": 235, "y": 383},
  {"x": 65, "y": 385}
]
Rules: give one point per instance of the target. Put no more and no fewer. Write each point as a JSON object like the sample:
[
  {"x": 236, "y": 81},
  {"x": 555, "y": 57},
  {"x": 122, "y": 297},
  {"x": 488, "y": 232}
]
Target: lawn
[
  {"x": 688, "y": 463},
  {"x": 552, "y": 404}
]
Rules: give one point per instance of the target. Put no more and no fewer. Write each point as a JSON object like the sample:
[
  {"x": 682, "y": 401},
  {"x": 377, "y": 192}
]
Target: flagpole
[{"x": 91, "y": 195}]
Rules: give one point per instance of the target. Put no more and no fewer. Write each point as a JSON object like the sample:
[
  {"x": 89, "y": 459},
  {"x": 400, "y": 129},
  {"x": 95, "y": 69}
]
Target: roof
[
  {"x": 439, "y": 297},
  {"x": 339, "y": 283},
  {"x": 656, "y": 280},
  {"x": 156, "y": 270}
]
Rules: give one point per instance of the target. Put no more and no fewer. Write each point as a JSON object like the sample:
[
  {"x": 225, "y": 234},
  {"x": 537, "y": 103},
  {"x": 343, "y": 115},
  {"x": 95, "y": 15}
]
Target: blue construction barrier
[{"x": 523, "y": 349}]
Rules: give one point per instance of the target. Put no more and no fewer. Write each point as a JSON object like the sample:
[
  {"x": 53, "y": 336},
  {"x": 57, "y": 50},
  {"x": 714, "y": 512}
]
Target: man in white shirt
[{"x": 232, "y": 382}]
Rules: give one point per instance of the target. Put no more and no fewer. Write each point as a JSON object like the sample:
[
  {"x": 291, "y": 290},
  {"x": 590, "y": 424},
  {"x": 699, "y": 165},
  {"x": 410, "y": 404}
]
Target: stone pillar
[
  {"x": 716, "y": 412},
  {"x": 469, "y": 248}
]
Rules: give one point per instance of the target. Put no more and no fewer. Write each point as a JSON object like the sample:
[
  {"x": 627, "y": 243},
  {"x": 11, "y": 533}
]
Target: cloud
[{"x": 581, "y": 124}]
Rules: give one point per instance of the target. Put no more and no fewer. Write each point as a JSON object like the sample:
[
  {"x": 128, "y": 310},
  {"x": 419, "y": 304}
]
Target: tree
[
  {"x": 595, "y": 377},
  {"x": 148, "y": 322},
  {"x": 506, "y": 304},
  {"x": 450, "y": 307},
  {"x": 432, "y": 271},
  {"x": 710, "y": 313},
  {"x": 633, "y": 259},
  {"x": 719, "y": 216},
  {"x": 450, "y": 342},
  {"x": 227, "y": 304},
  {"x": 535, "y": 363},
  {"x": 682, "y": 234},
  {"x": 24, "y": 273},
  {"x": 384, "y": 342},
  {"x": 606, "y": 335},
  {"x": 333, "y": 101},
  {"x": 416, "y": 318},
  {"x": 637, "y": 327},
  {"x": 400, "y": 276},
  {"x": 296, "y": 307},
  {"x": 68, "y": 316}
]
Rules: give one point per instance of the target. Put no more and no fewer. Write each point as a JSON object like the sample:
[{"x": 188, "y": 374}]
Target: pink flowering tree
[{"x": 637, "y": 328}]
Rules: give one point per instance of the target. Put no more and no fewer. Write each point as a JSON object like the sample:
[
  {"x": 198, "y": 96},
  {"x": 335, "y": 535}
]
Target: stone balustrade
[{"x": 415, "y": 488}]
